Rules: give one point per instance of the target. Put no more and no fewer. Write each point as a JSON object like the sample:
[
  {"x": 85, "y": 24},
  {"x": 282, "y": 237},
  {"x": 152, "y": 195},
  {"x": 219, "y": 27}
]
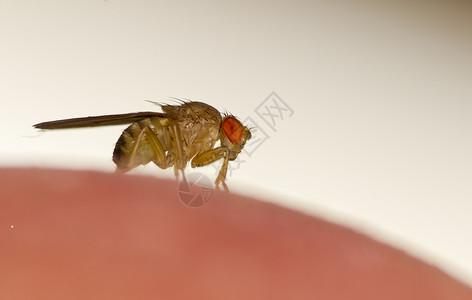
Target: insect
[{"x": 181, "y": 133}]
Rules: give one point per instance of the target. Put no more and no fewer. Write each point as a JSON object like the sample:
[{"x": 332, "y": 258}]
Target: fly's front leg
[
  {"x": 210, "y": 156},
  {"x": 222, "y": 174}
]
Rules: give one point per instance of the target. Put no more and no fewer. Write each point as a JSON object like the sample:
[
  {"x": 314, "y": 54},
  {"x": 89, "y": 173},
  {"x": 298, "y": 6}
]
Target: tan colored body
[{"x": 182, "y": 133}]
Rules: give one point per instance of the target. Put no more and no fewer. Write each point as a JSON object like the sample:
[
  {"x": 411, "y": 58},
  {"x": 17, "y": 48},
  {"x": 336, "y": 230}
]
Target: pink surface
[{"x": 90, "y": 235}]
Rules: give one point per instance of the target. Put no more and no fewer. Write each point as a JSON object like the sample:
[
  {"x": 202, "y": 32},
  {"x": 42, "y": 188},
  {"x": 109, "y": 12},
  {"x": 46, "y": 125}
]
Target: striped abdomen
[{"x": 145, "y": 153}]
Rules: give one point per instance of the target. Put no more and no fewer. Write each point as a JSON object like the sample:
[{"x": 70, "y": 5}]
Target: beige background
[{"x": 380, "y": 136}]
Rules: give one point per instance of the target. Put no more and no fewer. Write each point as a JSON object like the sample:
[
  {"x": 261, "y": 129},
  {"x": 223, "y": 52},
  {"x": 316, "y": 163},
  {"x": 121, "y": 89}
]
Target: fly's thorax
[
  {"x": 199, "y": 125},
  {"x": 197, "y": 111},
  {"x": 198, "y": 135}
]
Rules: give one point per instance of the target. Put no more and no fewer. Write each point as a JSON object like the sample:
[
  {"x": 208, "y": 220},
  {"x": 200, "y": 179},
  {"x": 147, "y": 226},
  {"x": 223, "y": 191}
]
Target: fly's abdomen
[{"x": 135, "y": 137}]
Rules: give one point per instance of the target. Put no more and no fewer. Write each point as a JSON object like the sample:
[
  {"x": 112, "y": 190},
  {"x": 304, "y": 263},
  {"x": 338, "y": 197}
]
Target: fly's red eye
[{"x": 233, "y": 129}]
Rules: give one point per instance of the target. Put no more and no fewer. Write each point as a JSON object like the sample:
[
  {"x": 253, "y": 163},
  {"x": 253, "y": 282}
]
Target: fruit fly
[{"x": 181, "y": 133}]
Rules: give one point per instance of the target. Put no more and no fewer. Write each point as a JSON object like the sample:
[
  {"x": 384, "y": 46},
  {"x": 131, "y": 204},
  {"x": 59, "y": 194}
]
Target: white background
[{"x": 381, "y": 93}]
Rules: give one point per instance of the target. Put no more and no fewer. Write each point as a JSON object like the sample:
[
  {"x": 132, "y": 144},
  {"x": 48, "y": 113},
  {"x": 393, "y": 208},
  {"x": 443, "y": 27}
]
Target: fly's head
[{"x": 233, "y": 135}]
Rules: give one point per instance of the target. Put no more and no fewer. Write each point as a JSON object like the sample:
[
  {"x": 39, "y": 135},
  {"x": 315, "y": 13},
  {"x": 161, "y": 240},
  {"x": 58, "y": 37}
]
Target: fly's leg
[
  {"x": 150, "y": 136},
  {"x": 222, "y": 174},
  {"x": 210, "y": 156},
  {"x": 180, "y": 160}
]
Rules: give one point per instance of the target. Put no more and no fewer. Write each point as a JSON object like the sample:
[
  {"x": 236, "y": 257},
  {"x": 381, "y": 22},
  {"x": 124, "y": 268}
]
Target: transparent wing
[{"x": 106, "y": 120}]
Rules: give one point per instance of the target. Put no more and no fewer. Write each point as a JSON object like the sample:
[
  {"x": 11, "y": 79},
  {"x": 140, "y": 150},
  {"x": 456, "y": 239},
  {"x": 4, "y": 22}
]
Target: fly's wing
[{"x": 106, "y": 120}]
